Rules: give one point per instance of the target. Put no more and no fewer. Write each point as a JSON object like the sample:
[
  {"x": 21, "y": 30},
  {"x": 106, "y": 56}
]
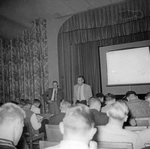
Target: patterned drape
[
  {"x": 128, "y": 21},
  {"x": 24, "y": 65}
]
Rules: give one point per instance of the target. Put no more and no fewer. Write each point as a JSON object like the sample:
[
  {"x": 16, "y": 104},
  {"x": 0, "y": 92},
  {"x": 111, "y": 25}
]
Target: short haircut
[
  {"x": 12, "y": 101},
  {"x": 54, "y": 82},
  {"x": 81, "y": 77},
  {"x": 94, "y": 100},
  {"x": 99, "y": 95},
  {"x": 128, "y": 93},
  {"x": 78, "y": 119},
  {"x": 118, "y": 110},
  {"x": 147, "y": 95},
  {"x": 10, "y": 112},
  {"x": 110, "y": 96},
  {"x": 65, "y": 104},
  {"x": 27, "y": 102}
]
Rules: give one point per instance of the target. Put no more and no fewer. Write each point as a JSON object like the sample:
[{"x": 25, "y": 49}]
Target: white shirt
[
  {"x": 53, "y": 95},
  {"x": 34, "y": 122},
  {"x": 81, "y": 93},
  {"x": 35, "y": 109}
]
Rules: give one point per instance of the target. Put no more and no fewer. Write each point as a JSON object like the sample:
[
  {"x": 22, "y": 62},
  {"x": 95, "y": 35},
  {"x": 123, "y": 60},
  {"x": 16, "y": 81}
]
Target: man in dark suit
[
  {"x": 99, "y": 117},
  {"x": 56, "y": 119},
  {"x": 53, "y": 97}
]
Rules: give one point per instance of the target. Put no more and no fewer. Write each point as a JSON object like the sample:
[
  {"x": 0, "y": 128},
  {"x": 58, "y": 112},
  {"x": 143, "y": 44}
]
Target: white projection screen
[{"x": 128, "y": 66}]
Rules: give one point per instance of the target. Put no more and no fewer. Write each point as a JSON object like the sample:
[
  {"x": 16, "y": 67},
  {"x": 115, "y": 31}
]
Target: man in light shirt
[
  {"x": 81, "y": 92},
  {"x": 113, "y": 131}
]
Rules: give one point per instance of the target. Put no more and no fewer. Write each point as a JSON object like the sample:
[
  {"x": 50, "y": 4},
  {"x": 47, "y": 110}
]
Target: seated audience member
[
  {"x": 113, "y": 131},
  {"x": 145, "y": 136},
  {"x": 11, "y": 125},
  {"x": 138, "y": 108},
  {"x": 31, "y": 116},
  {"x": 36, "y": 106},
  {"x": 56, "y": 119},
  {"x": 101, "y": 97},
  {"x": 110, "y": 99},
  {"x": 77, "y": 129},
  {"x": 99, "y": 117}
]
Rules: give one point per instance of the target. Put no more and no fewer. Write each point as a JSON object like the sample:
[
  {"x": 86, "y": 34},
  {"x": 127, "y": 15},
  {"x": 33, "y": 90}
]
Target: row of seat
[
  {"x": 101, "y": 145},
  {"x": 54, "y": 135}
]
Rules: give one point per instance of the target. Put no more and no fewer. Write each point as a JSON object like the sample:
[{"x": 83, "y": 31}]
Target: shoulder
[
  {"x": 76, "y": 85},
  {"x": 87, "y": 86}
]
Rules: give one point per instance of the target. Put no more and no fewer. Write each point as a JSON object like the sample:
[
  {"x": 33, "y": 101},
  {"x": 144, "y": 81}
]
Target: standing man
[
  {"x": 81, "y": 92},
  {"x": 53, "y": 97}
]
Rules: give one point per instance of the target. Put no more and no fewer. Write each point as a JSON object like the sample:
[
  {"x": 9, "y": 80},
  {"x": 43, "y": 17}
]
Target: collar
[
  {"x": 66, "y": 144},
  {"x": 7, "y": 143}
]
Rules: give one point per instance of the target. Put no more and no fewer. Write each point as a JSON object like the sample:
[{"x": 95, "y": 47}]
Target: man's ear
[
  {"x": 107, "y": 113},
  {"x": 61, "y": 127},
  {"x": 92, "y": 133},
  {"x": 125, "y": 119}
]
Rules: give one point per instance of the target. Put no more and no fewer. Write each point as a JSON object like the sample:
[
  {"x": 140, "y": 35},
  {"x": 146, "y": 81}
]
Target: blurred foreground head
[
  {"x": 11, "y": 122},
  {"x": 78, "y": 124}
]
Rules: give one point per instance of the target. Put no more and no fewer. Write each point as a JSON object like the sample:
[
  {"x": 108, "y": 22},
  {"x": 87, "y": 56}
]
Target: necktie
[
  {"x": 79, "y": 93},
  {"x": 55, "y": 95}
]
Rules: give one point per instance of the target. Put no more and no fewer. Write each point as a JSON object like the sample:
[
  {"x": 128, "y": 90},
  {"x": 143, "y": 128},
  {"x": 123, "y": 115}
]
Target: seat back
[
  {"x": 143, "y": 121},
  {"x": 53, "y": 133},
  {"x": 147, "y": 144},
  {"x": 44, "y": 144},
  {"x": 136, "y": 128},
  {"x": 114, "y": 145}
]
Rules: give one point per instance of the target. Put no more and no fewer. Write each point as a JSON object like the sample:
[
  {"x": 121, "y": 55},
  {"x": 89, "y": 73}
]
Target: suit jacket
[
  {"x": 99, "y": 117},
  {"x": 87, "y": 92},
  {"x": 56, "y": 119},
  {"x": 48, "y": 95}
]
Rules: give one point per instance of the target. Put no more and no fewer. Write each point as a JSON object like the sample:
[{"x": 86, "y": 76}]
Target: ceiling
[{"x": 17, "y": 15}]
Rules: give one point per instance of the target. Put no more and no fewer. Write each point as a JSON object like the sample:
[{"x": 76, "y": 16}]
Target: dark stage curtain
[{"x": 80, "y": 36}]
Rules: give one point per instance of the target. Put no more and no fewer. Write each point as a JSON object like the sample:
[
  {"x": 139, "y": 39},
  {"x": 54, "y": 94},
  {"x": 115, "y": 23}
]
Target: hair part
[
  {"x": 78, "y": 119},
  {"x": 118, "y": 110}
]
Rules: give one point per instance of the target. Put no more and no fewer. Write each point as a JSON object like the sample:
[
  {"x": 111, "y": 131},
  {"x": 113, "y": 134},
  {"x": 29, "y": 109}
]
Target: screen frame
[
  {"x": 125, "y": 84},
  {"x": 121, "y": 89}
]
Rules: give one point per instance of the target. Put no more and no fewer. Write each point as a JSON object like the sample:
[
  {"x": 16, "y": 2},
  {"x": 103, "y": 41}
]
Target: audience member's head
[
  {"x": 110, "y": 98},
  {"x": 21, "y": 102},
  {"x": 27, "y": 104},
  {"x": 78, "y": 124},
  {"x": 147, "y": 97},
  {"x": 80, "y": 80},
  {"x": 131, "y": 95},
  {"x": 94, "y": 103},
  {"x": 64, "y": 105},
  {"x": 12, "y": 101},
  {"x": 100, "y": 96},
  {"x": 118, "y": 113},
  {"x": 55, "y": 84},
  {"x": 37, "y": 103},
  {"x": 11, "y": 122},
  {"x": 1, "y": 104}
]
